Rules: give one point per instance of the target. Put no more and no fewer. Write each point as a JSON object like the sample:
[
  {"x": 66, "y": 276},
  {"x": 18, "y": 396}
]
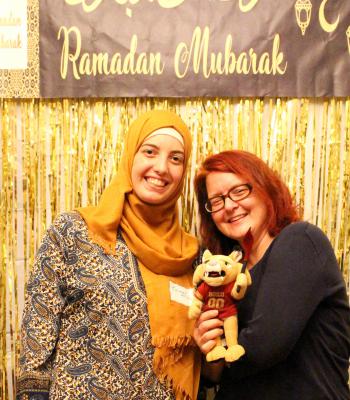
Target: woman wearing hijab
[{"x": 103, "y": 317}]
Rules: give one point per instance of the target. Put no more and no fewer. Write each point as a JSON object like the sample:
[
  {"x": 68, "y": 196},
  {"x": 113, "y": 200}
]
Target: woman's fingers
[
  {"x": 208, "y": 340},
  {"x": 208, "y": 315},
  {"x": 207, "y": 329},
  {"x": 207, "y": 346}
]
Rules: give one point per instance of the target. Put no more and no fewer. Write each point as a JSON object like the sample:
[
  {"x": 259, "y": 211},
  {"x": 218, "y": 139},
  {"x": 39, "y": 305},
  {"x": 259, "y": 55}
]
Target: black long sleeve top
[{"x": 294, "y": 324}]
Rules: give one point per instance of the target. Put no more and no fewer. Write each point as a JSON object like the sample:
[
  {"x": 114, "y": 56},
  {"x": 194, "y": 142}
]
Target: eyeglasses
[{"x": 236, "y": 193}]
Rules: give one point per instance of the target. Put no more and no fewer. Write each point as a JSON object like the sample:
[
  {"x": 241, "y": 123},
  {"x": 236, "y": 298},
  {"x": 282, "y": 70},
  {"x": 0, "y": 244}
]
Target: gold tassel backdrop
[{"x": 60, "y": 154}]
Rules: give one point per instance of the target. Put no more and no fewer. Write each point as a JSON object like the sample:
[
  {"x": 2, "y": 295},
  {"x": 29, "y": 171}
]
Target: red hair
[{"x": 266, "y": 183}]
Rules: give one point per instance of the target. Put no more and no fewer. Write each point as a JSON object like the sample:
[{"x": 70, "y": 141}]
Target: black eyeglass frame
[{"x": 223, "y": 197}]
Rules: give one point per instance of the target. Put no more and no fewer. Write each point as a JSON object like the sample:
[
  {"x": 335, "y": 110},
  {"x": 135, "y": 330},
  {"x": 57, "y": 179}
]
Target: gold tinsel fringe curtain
[{"x": 57, "y": 155}]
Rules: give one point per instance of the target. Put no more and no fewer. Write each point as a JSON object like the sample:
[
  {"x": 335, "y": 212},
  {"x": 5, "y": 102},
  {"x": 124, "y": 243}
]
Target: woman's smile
[
  {"x": 158, "y": 183},
  {"x": 237, "y": 218}
]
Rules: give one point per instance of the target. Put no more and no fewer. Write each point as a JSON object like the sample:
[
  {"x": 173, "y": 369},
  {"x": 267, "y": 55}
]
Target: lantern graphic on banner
[
  {"x": 303, "y": 14},
  {"x": 348, "y": 37}
]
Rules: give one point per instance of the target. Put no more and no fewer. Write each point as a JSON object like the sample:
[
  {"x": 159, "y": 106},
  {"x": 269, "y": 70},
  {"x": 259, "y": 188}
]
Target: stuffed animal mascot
[{"x": 220, "y": 281}]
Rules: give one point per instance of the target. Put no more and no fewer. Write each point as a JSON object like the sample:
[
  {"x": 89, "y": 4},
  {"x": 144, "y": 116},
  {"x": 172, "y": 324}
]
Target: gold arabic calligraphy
[
  {"x": 92, "y": 5},
  {"x": 244, "y": 6}
]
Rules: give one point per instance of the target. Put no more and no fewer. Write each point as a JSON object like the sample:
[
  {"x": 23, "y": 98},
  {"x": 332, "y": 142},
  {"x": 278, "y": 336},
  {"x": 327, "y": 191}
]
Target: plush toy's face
[{"x": 218, "y": 270}]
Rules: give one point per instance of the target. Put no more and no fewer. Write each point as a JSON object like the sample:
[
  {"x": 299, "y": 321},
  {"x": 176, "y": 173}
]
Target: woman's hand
[{"x": 207, "y": 329}]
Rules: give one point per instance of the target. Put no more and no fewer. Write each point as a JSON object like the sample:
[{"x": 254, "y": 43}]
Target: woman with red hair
[{"x": 294, "y": 322}]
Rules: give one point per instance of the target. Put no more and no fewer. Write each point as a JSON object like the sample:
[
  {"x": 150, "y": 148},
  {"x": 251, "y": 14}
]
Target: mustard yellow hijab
[{"x": 165, "y": 254}]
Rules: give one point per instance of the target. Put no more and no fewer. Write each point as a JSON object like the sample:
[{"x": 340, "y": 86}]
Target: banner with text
[{"x": 180, "y": 48}]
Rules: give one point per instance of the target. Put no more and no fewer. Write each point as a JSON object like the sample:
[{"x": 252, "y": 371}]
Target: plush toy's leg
[
  {"x": 234, "y": 350},
  {"x": 218, "y": 351}
]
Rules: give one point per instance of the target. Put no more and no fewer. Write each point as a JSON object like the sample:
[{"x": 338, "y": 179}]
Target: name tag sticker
[{"x": 180, "y": 294}]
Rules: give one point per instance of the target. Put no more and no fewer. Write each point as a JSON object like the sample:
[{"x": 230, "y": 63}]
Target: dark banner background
[{"x": 288, "y": 63}]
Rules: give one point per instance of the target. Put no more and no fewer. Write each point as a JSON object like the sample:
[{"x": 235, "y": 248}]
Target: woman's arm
[
  {"x": 41, "y": 317},
  {"x": 207, "y": 329},
  {"x": 292, "y": 287}
]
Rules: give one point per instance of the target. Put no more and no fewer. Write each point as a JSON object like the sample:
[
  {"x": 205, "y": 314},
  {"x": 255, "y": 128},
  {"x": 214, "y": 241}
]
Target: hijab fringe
[
  {"x": 169, "y": 350},
  {"x": 162, "y": 361},
  {"x": 180, "y": 392},
  {"x": 173, "y": 342}
]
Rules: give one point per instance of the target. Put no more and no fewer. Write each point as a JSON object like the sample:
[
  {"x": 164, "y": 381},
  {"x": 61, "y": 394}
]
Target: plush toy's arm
[
  {"x": 196, "y": 306},
  {"x": 249, "y": 278},
  {"x": 242, "y": 282}
]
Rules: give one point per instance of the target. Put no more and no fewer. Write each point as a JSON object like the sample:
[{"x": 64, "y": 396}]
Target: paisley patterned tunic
[{"x": 85, "y": 331}]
